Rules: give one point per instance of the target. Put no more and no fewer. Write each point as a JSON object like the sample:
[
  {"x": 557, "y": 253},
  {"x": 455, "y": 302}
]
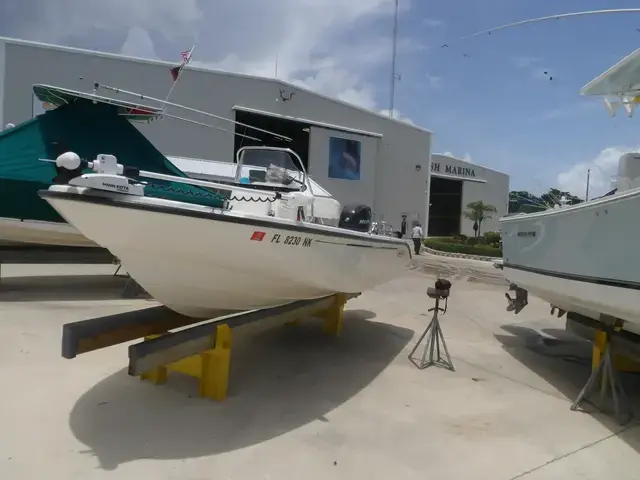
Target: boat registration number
[{"x": 292, "y": 240}]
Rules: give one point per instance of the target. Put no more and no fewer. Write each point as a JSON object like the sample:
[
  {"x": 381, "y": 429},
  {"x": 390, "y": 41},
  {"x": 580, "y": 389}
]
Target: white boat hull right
[
  {"x": 581, "y": 258},
  {"x": 587, "y": 299},
  {"x": 196, "y": 265}
]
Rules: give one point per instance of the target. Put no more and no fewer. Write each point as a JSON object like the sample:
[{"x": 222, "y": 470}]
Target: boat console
[{"x": 285, "y": 193}]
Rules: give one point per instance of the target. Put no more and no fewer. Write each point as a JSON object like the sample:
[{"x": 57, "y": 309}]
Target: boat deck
[{"x": 306, "y": 405}]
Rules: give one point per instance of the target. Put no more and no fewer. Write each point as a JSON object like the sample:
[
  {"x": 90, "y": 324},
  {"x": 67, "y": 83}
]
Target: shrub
[
  {"x": 450, "y": 247},
  {"x": 491, "y": 238},
  {"x": 462, "y": 239},
  {"x": 455, "y": 239}
]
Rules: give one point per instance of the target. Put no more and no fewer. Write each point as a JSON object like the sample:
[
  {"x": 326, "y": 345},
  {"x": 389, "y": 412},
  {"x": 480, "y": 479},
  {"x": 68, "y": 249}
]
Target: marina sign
[{"x": 452, "y": 170}]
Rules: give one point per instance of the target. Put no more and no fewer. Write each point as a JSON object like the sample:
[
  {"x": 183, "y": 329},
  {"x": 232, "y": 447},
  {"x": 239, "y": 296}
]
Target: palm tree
[{"x": 478, "y": 212}]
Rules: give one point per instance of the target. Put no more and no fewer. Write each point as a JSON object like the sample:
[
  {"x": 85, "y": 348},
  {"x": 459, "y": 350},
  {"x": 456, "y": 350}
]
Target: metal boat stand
[
  {"x": 435, "y": 343},
  {"x": 605, "y": 376}
]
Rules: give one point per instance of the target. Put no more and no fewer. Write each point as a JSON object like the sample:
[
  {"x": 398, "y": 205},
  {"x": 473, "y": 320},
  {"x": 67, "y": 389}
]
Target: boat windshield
[{"x": 270, "y": 166}]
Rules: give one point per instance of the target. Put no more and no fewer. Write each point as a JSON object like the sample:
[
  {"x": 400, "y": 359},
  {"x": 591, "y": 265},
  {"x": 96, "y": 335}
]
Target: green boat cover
[{"x": 88, "y": 129}]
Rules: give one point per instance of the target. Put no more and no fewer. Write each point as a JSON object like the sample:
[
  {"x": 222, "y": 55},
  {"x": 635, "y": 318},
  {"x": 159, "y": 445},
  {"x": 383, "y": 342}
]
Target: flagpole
[
  {"x": 394, "y": 75},
  {"x": 184, "y": 64}
]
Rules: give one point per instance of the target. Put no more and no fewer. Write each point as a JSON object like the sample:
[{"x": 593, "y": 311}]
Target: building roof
[
  {"x": 621, "y": 79},
  {"x": 275, "y": 81},
  {"x": 471, "y": 164}
]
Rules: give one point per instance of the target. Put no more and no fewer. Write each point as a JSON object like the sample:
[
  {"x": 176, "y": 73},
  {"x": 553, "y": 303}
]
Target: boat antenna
[
  {"x": 394, "y": 47},
  {"x": 184, "y": 107},
  {"x": 586, "y": 195},
  {"x": 542, "y": 19}
]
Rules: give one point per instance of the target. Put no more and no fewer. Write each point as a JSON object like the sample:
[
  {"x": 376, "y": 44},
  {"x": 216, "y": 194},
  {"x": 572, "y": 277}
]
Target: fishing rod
[
  {"x": 202, "y": 124},
  {"x": 141, "y": 108},
  {"x": 97, "y": 85},
  {"x": 542, "y": 19}
]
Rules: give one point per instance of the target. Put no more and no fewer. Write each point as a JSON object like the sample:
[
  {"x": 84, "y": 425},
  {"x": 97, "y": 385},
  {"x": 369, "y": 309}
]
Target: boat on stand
[
  {"x": 583, "y": 258},
  {"x": 242, "y": 244},
  {"x": 88, "y": 124}
]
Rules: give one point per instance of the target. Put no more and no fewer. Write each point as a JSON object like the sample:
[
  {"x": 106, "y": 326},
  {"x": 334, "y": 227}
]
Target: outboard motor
[{"x": 356, "y": 217}]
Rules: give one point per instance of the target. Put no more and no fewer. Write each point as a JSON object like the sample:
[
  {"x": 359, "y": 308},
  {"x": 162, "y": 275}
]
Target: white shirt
[{"x": 416, "y": 232}]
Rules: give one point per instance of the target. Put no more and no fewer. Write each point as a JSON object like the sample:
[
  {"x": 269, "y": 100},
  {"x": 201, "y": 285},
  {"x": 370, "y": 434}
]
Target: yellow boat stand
[
  {"x": 609, "y": 340},
  {"x": 211, "y": 366},
  {"x": 621, "y": 363}
]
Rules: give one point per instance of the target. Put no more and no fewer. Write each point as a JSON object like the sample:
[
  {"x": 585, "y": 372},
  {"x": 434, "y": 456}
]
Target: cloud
[
  {"x": 396, "y": 115},
  {"x": 47, "y": 21},
  {"x": 138, "y": 44},
  {"x": 330, "y": 46},
  {"x": 466, "y": 157},
  {"x": 603, "y": 168}
]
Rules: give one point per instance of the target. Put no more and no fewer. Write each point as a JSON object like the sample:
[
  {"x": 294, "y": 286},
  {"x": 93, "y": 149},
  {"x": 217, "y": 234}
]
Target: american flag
[{"x": 176, "y": 71}]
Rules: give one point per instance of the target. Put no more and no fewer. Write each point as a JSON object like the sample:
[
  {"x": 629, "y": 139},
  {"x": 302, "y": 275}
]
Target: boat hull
[
  {"x": 197, "y": 261},
  {"x": 580, "y": 258}
]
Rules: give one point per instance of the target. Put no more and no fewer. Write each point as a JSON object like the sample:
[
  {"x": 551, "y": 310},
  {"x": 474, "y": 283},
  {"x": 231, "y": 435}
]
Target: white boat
[
  {"x": 42, "y": 232},
  {"x": 25, "y": 218},
  {"x": 265, "y": 245},
  {"x": 583, "y": 258}
]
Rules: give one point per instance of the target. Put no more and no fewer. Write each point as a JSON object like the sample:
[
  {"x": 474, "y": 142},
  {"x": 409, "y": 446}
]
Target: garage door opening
[
  {"x": 445, "y": 207},
  {"x": 297, "y": 131}
]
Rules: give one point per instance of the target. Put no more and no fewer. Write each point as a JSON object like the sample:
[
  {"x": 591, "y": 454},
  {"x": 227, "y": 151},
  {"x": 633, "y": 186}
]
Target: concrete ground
[{"x": 303, "y": 405}]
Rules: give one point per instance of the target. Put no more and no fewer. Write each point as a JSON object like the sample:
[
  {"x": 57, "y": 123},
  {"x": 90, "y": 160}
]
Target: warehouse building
[
  {"x": 357, "y": 155},
  {"x": 454, "y": 184}
]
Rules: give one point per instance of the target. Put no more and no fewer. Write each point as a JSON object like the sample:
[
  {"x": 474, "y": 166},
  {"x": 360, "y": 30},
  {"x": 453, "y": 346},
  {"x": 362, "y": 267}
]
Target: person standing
[{"x": 417, "y": 234}]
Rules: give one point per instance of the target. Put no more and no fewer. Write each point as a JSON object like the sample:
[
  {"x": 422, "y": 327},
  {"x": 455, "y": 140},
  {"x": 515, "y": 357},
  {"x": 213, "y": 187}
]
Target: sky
[{"x": 487, "y": 99}]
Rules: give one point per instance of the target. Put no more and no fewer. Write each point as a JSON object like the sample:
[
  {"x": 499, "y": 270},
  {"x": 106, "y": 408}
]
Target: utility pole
[
  {"x": 588, "y": 177},
  {"x": 394, "y": 76}
]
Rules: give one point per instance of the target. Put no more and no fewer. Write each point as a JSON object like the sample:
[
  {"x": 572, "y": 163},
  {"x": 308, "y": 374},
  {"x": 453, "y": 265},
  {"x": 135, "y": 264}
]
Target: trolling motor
[
  {"x": 68, "y": 166},
  {"x": 108, "y": 174},
  {"x": 520, "y": 301}
]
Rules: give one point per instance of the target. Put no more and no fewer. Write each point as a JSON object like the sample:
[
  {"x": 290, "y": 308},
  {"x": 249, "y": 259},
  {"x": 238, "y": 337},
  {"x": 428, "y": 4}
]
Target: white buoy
[
  {"x": 68, "y": 160},
  {"x": 9, "y": 125}
]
